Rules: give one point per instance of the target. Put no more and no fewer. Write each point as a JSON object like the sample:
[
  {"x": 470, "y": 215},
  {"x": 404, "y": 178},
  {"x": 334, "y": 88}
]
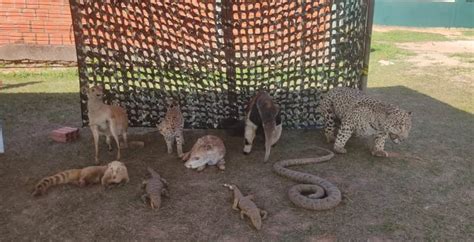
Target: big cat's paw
[
  {"x": 340, "y": 150},
  {"x": 380, "y": 153}
]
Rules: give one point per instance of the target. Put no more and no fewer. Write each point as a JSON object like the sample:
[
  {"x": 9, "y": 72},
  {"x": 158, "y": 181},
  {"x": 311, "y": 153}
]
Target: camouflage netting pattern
[{"x": 212, "y": 56}]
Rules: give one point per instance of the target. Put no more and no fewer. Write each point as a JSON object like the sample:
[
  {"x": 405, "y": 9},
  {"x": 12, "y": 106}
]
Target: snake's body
[{"x": 324, "y": 195}]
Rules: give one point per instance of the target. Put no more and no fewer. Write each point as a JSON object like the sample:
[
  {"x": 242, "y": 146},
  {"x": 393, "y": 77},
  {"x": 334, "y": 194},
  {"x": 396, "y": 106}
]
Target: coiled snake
[{"x": 322, "y": 194}]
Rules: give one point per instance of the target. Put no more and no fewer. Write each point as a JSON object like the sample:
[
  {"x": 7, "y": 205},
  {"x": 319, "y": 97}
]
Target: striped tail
[{"x": 59, "y": 178}]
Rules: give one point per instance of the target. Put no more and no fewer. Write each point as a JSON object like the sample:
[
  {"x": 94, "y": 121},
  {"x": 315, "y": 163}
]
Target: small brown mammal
[
  {"x": 85, "y": 176},
  {"x": 115, "y": 174},
  {"x": 247, "y": 207},
  {"x": 262, "y": 111},
  {"x": 154, "y": 187},
  {"x": 108, "y": 120},
  {"x": 208, "y": 150}
]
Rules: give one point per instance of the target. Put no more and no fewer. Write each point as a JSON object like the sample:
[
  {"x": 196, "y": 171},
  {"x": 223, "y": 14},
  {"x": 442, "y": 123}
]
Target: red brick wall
[{"x": 41, "y": 22}]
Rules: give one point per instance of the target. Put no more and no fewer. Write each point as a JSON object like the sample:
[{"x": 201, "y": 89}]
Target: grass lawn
[
  {"x": 400, "y": 36},
  {"x": 440, "y": 82},
  {"x": 58, "y": 80}
]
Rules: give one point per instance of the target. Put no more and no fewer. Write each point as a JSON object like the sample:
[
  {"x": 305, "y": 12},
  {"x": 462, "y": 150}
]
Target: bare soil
[
  {"x": 424, "y": 193},
  {"x": 433, "y": 53}
]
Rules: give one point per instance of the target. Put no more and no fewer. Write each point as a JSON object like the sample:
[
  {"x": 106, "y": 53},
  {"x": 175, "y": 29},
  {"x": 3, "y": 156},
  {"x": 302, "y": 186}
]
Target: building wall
[
  {"x": 425, "y": 13},
  {"x": 36, "y": 22}
]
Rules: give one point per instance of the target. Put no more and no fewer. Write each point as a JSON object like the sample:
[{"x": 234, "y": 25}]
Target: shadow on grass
[
  {"x": 382, "y": 198},
  {"x": 10, "y": 86}
]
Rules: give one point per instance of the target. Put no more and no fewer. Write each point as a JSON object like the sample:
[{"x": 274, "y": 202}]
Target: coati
[{"x": 107, "y": 174}]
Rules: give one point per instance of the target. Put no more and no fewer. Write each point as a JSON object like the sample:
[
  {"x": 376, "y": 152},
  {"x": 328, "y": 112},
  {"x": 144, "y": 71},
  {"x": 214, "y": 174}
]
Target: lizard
[
  {"x": 247, "y": 207},
  {"x": 154, "y": 187}
]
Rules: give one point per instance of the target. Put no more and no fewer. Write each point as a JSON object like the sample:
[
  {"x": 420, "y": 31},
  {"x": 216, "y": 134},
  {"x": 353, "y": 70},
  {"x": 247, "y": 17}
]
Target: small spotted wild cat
[{"x": 172, "y": 128}]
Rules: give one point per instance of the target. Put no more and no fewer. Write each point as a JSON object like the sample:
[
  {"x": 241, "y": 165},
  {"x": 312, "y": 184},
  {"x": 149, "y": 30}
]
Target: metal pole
[{"x": 368, "y": 37}]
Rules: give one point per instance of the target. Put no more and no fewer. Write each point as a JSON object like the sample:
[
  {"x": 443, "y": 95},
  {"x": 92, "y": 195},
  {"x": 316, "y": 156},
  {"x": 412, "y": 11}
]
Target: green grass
[
  {"x": 399, "y": 36},
  {"x": 464, "y": 57},
  {"x": 387, "y": 51},
  {"x": 384, "y": 43},
  {"x": 60, "y": 80},
  {"x": 438, "y": 82},
  {"x": 468, "y": 33},
  {"x": 387, "y": 227}
]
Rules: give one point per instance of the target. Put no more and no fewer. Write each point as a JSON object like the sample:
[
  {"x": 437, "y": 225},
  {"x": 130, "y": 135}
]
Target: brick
[
  {"x": 64, "y": 29},
  {"x": 53, "y": 2},
  {"x": 55, "y": 39},
  {"x": 32, "y": 3},
  {"x": 65, "y": 134},
  {"x": 60, "y": 10},
  {"x": 41, "y": 35},
  {"x": 27, "y": 37},
  {"x": 10, "y": 10},
  {"x": 28, "y": 11},
  {"x": 42, "y": 42},
  {"x": 9, "y": 3}
]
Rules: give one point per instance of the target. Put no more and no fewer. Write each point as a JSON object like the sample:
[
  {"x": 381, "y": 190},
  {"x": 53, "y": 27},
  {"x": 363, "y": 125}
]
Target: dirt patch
[
  {"x": 381, "y": 197},
  {"x": 444, "y": 47},
  {"x": 438, "y": 53}
]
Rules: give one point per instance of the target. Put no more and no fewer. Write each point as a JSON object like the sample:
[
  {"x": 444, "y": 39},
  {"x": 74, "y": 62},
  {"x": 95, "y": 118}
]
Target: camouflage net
[{"x": 212, "y": 56}]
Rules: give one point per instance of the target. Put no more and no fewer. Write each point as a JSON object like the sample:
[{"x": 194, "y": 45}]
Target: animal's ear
[
  {"x": 410, "y": 113},
  {"x": 186, "y": 156},
  {"x": 84, "y": 90}
]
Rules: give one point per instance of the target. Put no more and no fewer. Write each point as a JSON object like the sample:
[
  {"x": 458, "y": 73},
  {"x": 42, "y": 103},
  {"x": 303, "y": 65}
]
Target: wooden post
[
  {"x": 229, "y": 52},
  {"x": 368, "y": 37},
  {"x": 2, "y": 148}
]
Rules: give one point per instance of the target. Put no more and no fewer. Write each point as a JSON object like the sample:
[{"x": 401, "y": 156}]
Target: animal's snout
[
  {"x": 187, "y": 165},
  {"x": 395, "y": 138}
]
